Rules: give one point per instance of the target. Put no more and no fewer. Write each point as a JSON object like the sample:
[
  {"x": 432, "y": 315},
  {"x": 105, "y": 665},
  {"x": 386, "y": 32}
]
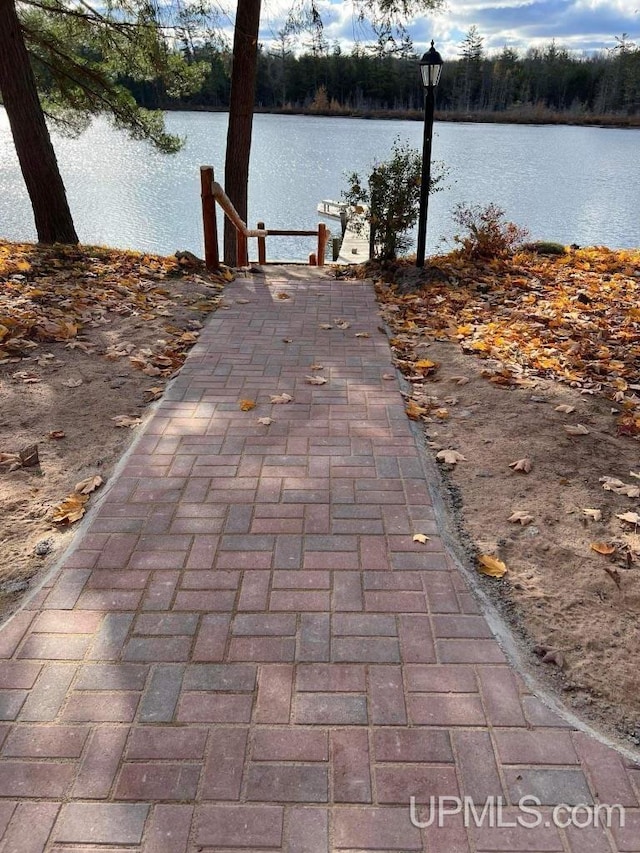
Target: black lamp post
[{"x": 430, "y": 69}]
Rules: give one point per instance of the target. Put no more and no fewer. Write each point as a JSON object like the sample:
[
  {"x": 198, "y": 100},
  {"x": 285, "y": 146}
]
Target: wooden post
[
  {"x": 312, "y": 259},
  {"x": 322, "y": 243},
  {"x": 242, "y": 259},
  {"x": 262, "y": 246},
  {"x": 211, "y": 253}
]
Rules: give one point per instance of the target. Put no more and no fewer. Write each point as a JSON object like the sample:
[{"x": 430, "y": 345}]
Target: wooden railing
[{"x": 212, "y": 193}]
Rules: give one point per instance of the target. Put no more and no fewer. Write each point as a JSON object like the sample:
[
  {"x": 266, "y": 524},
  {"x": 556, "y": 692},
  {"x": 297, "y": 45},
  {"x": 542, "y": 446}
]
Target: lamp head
[{"x": 431, "y": 67}]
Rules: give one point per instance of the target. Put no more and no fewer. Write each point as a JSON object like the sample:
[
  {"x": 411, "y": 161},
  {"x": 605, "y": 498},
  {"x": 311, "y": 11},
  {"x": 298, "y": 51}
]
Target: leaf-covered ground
[
  {"x": 88, "y": 338},
  {"x": 525, "y": 375}
]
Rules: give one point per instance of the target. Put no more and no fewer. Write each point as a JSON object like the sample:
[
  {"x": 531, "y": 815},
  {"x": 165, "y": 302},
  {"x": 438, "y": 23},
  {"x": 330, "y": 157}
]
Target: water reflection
[{"x": 568, "y": 184}]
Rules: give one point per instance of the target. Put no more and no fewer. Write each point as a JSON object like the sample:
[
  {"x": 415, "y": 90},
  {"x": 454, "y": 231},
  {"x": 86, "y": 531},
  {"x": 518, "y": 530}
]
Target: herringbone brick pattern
[{"x": 247, "y": 650}]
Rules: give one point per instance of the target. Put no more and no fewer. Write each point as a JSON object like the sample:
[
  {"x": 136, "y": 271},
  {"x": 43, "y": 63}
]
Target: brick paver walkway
[{"x": 247, "y": 649}]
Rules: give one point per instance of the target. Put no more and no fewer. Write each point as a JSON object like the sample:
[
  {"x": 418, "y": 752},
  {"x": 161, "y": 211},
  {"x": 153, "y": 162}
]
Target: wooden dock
[{"x": 355, "y": 245}]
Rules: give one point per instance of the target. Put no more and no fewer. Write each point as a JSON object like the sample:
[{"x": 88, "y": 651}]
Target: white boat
[{"x": 333, "y": 209}]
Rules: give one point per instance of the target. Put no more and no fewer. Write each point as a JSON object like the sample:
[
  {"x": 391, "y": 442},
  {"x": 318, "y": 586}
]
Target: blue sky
[{"x": 580, "y": 25}]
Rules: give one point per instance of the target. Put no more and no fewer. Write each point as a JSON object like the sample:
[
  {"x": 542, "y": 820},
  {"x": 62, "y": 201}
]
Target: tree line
[{"x": 384, "y": 78}]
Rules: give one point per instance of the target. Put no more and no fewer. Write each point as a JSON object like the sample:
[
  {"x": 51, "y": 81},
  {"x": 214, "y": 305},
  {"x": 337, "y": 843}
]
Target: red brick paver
[{"x": 247, "y": 651}]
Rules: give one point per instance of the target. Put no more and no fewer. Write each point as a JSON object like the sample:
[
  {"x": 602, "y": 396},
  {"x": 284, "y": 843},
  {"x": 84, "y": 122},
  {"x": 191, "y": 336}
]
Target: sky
[{"x": 579, "y": 25}]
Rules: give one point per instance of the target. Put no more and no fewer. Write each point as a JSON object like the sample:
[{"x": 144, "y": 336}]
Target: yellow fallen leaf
[
  {"x": 425, "y": 364},
  {"x": 441, "y": 414},
  {"x": 316, "y": 380},
  {"x": 85, "y": 487},
  {"x": 451, "y": 457},
  {"x": 491, "y": 566},
  {"x": 420, "y": 537},
  {"x": 413, "y": 410},
  {"x": 247, "y": 405},
  {"x": 594, "y": 514},
  {"x": 520, "y": 517},
  {"x": 576, "y": 429},
  {"x": 281, "y": 398},
  {"x": 629, "y": 517},
  {"x": 524, "y": 465},
  {"x": 603, "y": 548},
  {"x": 283, "y": 296},
  {"x": 71, "y": 509}
]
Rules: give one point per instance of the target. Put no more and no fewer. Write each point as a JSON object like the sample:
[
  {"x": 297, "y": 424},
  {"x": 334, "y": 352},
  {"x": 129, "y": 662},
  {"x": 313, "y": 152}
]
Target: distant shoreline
[{"x": 522, "y": 115}]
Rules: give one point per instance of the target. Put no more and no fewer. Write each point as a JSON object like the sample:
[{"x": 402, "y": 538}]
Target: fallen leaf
[
  {"x": 287, "y": 340},
  {"x": 523, "y": 465},
  {"x": 71, "y": 509},
  {"x": 85, "y": 487},
  {"x": 388, "y": 376},
  {"x": 612, "y": 484},
  {"x": 634, "y": 474},
  {"x": 29, "y": 456},
  {"x": 155, "y": 392},
  {"x": 520, "y": 517},
  {"x": 56, "y": 434},
  {"x": 576, "y": 429},
  {"x": 414, "y": 411},
  {"x": 491, "y": 566},
  {"x": 247, "y": 405},
  {"x": 72, "y": 383},
  {"x": 566, "y": 410},
  {"x": 459, "y": 380},
  {"x": 243, "y": 301},
  {"x": 594, "y": 514},
  {"x": 317, "y": 367},
  {"x": 342, "y": 324},
  {"x": 420, "y": 537},
  {"x": 603, "y": 548},
  {"x": 11, "y": 461},
  {"x": 283, "y": 296},
  {"x": 629, "y": 517},
  {"x": 281, "y": 398},
  {"x": 441, "y": 414},
  {"x": 425, "y": 365},
  {"x": 126, "y": 421},
  {"x": 451, "y": 457},
  {"x": 363, "y": 335},
  {"x": 316, "y": 380},
  {"x": 326, "y": 326},
  {"x": 265, "y": 421}
]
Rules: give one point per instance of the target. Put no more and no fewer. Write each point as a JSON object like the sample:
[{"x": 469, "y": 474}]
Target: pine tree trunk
[
  {"x": 31, "y": 135},
  {"x": 241, "y": 103}
]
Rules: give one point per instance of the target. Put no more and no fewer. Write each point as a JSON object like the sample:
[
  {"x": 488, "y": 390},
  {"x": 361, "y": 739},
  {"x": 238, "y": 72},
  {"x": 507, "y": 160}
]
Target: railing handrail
[{"x": 212, "y": 192}]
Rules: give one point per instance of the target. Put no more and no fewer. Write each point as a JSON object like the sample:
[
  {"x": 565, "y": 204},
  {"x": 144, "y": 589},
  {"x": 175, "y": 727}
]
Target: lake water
[{"x": 567, "y": 184}]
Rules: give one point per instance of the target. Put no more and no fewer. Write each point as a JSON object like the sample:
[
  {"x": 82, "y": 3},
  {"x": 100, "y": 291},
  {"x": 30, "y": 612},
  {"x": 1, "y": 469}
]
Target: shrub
[
  {"x": 389, "y": 199},
  {"x": 488, "y": 234},
  {"x": 543, "y": 247}
]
